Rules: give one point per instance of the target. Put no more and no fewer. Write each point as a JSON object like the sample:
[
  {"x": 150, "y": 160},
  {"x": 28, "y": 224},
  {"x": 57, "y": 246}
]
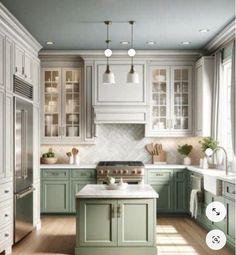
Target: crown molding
[
  {"x": 224, "y": 36},
  {"x": 9, "y": 22},
  {"x": 117, "y": 54}
]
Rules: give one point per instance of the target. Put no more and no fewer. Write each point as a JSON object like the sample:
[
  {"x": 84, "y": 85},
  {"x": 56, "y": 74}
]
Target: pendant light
[
  {"x": 132, "y": 76},
  {"x": 108, "y": 76}
]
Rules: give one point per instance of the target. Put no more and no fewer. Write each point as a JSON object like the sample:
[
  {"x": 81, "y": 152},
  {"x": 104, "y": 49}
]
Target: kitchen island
[{"x": 116, "y": 222}]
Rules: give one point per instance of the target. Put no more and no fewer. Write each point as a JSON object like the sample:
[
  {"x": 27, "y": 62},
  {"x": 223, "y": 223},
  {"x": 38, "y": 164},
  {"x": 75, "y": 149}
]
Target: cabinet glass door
[
  {"x": 72, "y": 117},
  {"x": 181, "y": 87},
  {"x": 159, "y": 101},
  {"x": 51, "y": 102}
]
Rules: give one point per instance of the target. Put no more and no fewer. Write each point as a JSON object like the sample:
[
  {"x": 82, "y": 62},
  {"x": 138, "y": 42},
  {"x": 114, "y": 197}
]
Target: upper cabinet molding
[
  {"x": 224, "y": 36},
  {"x": 17, "y": 30}
]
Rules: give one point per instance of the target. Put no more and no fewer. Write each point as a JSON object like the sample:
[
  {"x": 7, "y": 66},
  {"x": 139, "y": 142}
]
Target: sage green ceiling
[{"x": 78, "y": 24}]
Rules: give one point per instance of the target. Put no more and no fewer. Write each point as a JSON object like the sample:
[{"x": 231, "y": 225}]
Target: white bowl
[{"x": 116, "y": 186}]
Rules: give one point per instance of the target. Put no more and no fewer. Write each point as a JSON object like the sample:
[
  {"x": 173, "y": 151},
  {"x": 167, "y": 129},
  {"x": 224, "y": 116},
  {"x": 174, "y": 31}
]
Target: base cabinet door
[
  {"x": 138, "y": 215},
  {"x": 230, "y": 226},
  {"x": 164, "y": 202},
  {"x": 180, "y": 192},
  {"x": 98, "y": 223},
  {"x": 55, "y": 196},
  {"x": 76, "y": 186}
]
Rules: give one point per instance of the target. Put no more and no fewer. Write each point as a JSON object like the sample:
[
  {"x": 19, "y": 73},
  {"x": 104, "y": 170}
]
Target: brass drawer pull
[
  {"x": 6, "y": 191},
  {"x": 6, "y": 215},
  {"x": 6, "y": 235},
  {"x": 159, "y": 174}
]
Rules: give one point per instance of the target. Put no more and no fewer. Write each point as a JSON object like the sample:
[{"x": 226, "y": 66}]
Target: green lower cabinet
[
  {"x": 165, "y": 200},
  {"x": 111, "y": 226},
  {"x": 97, "y": 224},
  {"x": 230, "y": 226},
  {"x": 76, "y": 186},
  {"x": 135, "y": 222},
  {"x": 59, "y": 186},
  {"x": 181, "y": 203},
  {"x": 55, "y": 196}
]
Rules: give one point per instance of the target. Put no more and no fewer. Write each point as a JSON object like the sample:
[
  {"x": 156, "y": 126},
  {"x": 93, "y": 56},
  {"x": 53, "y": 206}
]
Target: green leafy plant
[
  {"x": 185, "y": 149},
  {"x": 208, "y": 142},
  {"x": 49, "y": 154}
]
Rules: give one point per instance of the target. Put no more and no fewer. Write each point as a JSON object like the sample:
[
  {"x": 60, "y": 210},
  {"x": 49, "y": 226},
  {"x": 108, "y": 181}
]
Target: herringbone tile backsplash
[{"x": 126, "y": 142}]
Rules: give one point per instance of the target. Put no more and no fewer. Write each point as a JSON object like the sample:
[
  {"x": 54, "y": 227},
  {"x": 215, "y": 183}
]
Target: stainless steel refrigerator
[{"x": 23, "y": 174}]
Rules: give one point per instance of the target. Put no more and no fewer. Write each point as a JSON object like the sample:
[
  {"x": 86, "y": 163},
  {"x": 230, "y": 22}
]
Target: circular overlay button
[
  {"x": 216, "y": 239},
  {"x": 216, "y": 211}
]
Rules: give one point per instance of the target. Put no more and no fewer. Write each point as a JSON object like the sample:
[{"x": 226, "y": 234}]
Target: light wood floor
[{"x": 175, "y": 236}]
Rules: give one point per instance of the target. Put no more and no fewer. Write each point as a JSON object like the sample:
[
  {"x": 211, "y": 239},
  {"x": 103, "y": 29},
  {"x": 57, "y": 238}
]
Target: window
[{"x": 227, "y": 133}]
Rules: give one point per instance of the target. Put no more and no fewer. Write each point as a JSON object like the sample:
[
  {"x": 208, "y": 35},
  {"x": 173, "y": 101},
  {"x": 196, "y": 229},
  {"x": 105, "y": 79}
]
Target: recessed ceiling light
[
  {"x": 186, "y": 43},
  {"x": 124, "y": 42},
  {"x": 151, "y": 43},
  {"x": 204, "y": 30},
  {"x": 50, "y": 43}
]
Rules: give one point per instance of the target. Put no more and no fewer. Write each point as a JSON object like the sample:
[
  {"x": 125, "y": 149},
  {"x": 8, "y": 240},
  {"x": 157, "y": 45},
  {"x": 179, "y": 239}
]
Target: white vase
[
  {"x": 187, "y": 161},
  {"x": 71, "y": 160},
  {"x": 76, "y": 160}
]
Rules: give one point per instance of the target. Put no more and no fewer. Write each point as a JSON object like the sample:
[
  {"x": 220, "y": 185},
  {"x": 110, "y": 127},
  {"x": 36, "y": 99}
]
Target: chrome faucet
[{"x": 210, "y": 152}]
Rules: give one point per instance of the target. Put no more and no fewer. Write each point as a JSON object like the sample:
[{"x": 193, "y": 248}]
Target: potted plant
[
  {"x": 207, "y": 142},
  {"x": 185, "y": 150}
]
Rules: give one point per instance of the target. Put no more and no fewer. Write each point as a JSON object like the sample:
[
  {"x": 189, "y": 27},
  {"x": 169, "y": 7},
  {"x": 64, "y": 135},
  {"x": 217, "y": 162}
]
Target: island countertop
[{"x": 132, "y": 191}]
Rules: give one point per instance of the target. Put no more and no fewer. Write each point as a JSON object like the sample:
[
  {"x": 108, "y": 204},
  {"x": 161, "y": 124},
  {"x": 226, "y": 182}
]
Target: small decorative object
[
  {"x": 73, "y": 156},
  {"x": 110, "y": 180},
  {"x": 158, "y": 155},
  {"x": 185, "y": 150},
  {"x": 205, "y": 163},
  {"x": 71, "y": 159},
  {"x": 49, "y": 157}
]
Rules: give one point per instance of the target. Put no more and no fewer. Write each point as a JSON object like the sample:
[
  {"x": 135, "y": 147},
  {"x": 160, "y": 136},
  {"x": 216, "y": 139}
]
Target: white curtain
[
  {"x": 233, "y": 100},
  {"x": 216, "y": 98}
]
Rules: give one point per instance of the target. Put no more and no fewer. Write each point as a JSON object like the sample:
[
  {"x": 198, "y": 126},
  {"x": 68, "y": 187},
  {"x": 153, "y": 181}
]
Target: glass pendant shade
[
  {"x": 108, "y": 76},
  {"x": 132, "y": 76}
]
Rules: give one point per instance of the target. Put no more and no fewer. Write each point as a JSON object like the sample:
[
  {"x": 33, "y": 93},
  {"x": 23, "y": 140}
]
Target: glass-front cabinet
[
  {"x": 61, "y": 104},
  {"x": 170, "y": 101}
]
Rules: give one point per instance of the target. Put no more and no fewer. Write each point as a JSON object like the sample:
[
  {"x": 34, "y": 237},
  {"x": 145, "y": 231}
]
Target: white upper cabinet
[
  {"x": 23, "y": 64},
  {"x": 170, "y": 95},
  {"x": 61, "y": 105},
  {"x": 204, "y": 71}
]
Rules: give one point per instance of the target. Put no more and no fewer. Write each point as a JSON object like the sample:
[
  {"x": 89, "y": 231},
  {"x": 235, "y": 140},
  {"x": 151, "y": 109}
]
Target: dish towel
[{"x": 194, "y": 203}]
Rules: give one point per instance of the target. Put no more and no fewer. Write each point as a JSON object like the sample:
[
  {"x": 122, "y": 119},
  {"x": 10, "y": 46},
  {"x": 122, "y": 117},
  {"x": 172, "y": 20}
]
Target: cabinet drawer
[
  {"x": 6, "y": 191},
  {"x": 83, "y": 174},
  {"x": 6, "y": 236},
  {"x": 159, "y": 175},
  {"x": 60, "y": 173},
  {"x": 6, "y": 212},
  {"x": 229, "y": 190}
]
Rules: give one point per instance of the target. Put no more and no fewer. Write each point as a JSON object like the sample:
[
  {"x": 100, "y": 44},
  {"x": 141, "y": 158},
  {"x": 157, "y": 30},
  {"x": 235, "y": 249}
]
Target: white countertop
[
  {"x": 132, "y": 191},
  {"x": 164, "y": 166},
  {"x": 68, "y": 166}
]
